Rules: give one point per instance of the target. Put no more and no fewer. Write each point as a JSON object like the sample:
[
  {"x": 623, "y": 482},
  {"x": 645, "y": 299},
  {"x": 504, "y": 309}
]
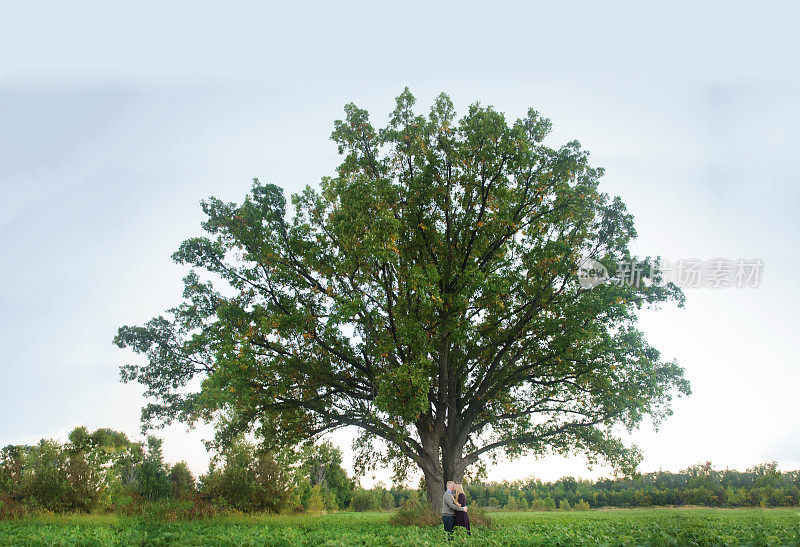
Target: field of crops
[{"x": 613, "y": 527}]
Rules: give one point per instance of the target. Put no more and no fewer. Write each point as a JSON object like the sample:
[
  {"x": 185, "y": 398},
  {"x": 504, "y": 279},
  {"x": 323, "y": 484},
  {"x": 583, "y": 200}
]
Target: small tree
[
  {"x": 152, "y": 478},
  {"x": 181, "y": 480},
  {"x": 322, "y": 465}
]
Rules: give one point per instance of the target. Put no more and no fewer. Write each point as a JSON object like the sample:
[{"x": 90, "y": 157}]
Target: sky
[{"x": 115, "y": 121}]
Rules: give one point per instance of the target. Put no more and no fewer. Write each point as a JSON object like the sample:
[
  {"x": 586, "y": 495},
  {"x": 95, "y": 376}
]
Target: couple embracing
[{"x": 454, "y": 508}]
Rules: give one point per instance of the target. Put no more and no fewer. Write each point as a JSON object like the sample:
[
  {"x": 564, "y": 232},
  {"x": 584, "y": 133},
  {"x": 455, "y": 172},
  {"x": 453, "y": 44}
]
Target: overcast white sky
[{"x": 116, "y": 121}]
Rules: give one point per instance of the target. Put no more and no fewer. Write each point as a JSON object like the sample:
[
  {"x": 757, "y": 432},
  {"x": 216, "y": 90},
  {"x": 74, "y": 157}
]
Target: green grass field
[{"x": 613, "y": 527}]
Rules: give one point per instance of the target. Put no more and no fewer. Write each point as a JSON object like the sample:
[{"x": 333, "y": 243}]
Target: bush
[
  {"x": 126, "y": 504},
  {"x": 564, "y": 505},
  {"x": 416, "y": 514},
  {"x": 364, "y": 500}
]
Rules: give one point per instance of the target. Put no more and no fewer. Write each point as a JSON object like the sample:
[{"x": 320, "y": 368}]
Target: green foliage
[
  {"x": 180, "y": 510},
  {"x": 696, "y": 485},
  {"x": 46, "y": 477},
  {"x": 104, "y": 471},
  {"x": 77, "y": 476}
]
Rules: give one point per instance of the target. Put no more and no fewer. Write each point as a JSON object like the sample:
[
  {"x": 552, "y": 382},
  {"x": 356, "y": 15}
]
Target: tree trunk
[
  {"x": 435, "y": 489},
  {"x": 442, "y": 459},
  {"x": 449, "y": 469}
]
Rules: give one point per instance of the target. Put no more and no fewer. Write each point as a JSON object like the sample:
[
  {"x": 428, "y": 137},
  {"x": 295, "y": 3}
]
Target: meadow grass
[{"x": 701, "y": 526}]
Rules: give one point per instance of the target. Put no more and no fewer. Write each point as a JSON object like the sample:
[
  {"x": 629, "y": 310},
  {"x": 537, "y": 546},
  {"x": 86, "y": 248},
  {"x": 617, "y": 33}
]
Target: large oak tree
[{"x": 428, "y": 294}]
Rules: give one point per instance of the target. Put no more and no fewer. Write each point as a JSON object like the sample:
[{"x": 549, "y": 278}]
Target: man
[{"x": 449, "y": 508}]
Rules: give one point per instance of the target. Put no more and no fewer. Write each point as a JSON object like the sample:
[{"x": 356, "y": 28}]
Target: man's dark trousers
[{"x": 449, "y": 523}]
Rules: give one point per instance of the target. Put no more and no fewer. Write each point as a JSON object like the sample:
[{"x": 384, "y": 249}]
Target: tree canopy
[{"x": 428, "y": 294}]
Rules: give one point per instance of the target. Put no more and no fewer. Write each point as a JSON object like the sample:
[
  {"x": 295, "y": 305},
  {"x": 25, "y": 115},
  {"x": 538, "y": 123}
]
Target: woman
[{"x": 462, "y": 518}]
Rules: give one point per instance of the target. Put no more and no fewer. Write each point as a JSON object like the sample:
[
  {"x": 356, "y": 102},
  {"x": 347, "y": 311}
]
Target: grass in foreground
[{"x": 619, "y": 527}]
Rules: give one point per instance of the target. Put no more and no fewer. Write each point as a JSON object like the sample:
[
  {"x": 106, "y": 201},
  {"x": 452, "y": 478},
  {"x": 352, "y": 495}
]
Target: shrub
[
  {"x": 127, "y": 504},
  {"x": 364, "y": 500},
  {"x": 420, "y": 514},
  {"x": 416, "y": 514}
]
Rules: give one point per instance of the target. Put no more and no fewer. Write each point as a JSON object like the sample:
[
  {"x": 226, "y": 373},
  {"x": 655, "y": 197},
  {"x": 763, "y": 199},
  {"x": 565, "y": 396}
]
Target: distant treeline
[
  {"x": 107, "y": 472},
  {"x": 761, "y": 486}
]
